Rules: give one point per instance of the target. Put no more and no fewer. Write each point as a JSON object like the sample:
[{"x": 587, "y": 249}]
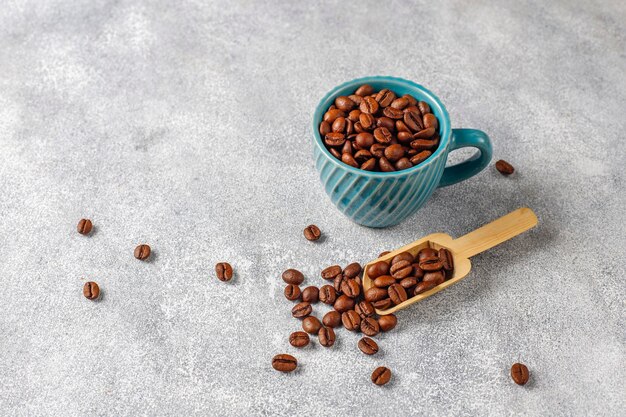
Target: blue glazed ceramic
[{"x": 380, "y": 199}]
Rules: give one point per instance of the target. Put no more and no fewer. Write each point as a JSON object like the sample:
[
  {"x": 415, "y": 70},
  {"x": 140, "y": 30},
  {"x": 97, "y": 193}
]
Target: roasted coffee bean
[
  {"x": 325, "y": 129},
  {"x": 364, "y": 309},
  {"x": 339, "y": 125},
  {"x": 312, "y": 232},
  {"x": 354, "y": 115},
  {"x": 348, "y": 159},
  {"x": 335, "y": 153},
  {"x": 430, "y": 120},
  {"x": 84, "y": 226},
  {"x": 411, "y": 100},
  {"x": 368, "y": 346},
  {"x": 356, "y": 99},
  {"x": 429, "y": 266},
  {"x": 384, "y": 281},
  {"x": 332, "y": 319},
  {"x": 424, "y": 107},
  {"x": 380, "y": 255},
  {"x": 334, "y": 139},
  {"x": 423, "y": 144},
  {"x": 344, "y": 103},
  {"x": 401, "y": 269},
  {"x": 413, "y": 120},
  {"x": 350, "y": 288},
  {"x": 224, "y": 271},
  {"x": 299, "y": 339},
  {"x": 363, "y": 156},
  {"x": 378, "y": 269},
  {"x": 414, "y": 109},
  {"x": 331, "y": 115},
  {"x": 91, "y": 290},
  {"x": 385, "y": 97},
  {"x": 385, "y": 165},
  {"x": 369, "y": 326},
  {"x": 403, "y": 163},
  {"x": 381, "y": 375},
  {"x": 364, "y": 90},
  {"x": 358, "y": 128},
  {"x": 292, "y": 292},
  {"x": 331, "y": 272},
  {"x": 382, "y": 135},
  {"x": 311, "y": 325},
  {"x": 420, "y": 157},
  {"x": 142, "y": 252},
  {"x": 447, "y": 261},
  {"x": 377, "y": 149},
  {"x": 364, "y": 140},
  {"x": 369, "y": 105},
  {"x": 427, "y": 253},
  {"x": 504, "y": 167},
  {"x": 351, "y": 320},
  {"x": 387, "y": 322},
  {"x": 369, "y": 165},
  {"x": 310, "y": 294},
  {"x": 408, "y": 282},
  {"x": 424, "y": 133},
  {"x": 417, "y": 271},
  {"x": 436, "y": 277},
  {"x": 339, "y": 279},
  {"x": 519, "y": 373},
  {"x": 285, "y": 363},
  {"x": 386, "y": 122},
  {"x": 393, "y": 113},
  {"x": 397, "y": 294},
  {"x": 301, "y": 310},
  {"x": 293, "y": 276},
  {"x": 400, "y": 103},
  {"x": 326, "y": 336},
  {"x": 402, "y": 127},
  {"x": 404, "y": 137},
  {"x": 327, "y": 294},
  {"x": 344, "y": 303},
  {"x": 352, "y": 270},
  {"x": 367, "y": 121},
  {"x": 383, "y": 304},
  {"x": 423, "y": 287},
  {"x": 375, "y": 294},
  {"x": 403, "y": 256},
  {"x": 394, "y": 152},
  {"x": 347, "y": 148}
]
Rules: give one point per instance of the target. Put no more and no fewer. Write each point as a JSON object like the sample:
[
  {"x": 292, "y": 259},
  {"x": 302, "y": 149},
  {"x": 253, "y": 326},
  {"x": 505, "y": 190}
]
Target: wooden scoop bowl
[{"x": 462, "y": 249}]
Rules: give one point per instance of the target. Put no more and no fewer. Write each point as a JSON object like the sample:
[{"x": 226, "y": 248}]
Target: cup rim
[{"x": 324, "y": 103}]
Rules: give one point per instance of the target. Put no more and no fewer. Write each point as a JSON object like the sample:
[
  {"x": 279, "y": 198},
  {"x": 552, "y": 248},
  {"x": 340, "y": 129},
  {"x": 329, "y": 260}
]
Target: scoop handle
[{"x": 494, "y": 233}]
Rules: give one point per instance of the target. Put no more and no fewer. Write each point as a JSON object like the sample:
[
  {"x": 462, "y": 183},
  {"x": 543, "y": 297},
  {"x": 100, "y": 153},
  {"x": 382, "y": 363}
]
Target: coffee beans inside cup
[{"x": 380, "y": 130}]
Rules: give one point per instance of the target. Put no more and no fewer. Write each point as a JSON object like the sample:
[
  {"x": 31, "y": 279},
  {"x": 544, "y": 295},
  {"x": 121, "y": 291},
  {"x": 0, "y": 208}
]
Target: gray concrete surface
[{"x": 185, "y": 125}]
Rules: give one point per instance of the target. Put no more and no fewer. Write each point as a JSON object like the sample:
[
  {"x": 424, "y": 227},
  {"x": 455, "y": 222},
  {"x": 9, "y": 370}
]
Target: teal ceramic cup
[{"x": 380, "y": 199}]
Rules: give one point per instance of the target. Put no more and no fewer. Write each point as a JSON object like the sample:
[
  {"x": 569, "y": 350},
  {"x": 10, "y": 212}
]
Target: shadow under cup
[{"x": 381, "y": 199}]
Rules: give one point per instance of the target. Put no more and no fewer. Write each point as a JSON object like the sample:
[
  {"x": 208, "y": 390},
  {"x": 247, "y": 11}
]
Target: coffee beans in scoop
[{"x": 379, "y": 130}]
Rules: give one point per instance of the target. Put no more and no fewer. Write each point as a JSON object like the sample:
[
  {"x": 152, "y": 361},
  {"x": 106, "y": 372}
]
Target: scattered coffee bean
[
  {"x": 326, "y": 336},
  {"x": 368, "y": 346},
  {"x": 331, "y": 272},
  {"x": 299, "y": 339},
  {"x": 332, "y": 319},
  {"x": 311, "y": 324},
  {"x": 312, "y": 232},
  {"x": 504, "y": 167},
  {"x": 84, "y": 226},
  {"x": 344, "y": 303},
  {"x": 381, "y": 375},
  {"x": 292, "y": 292},
  {"x": 338, "y": 282},
  {"x": 350, "y": 288},
  {"x": 351, "y": 320},
  {"x": 285, "y": 363},
  {"x": 352, "y": 270},
  {"x": 142, "y": 252},
  {"x": 310, "y": 294},
  {"x": 293, "y": 276},
  {"x": 369, "y": 326},
  {"x": 91, "y": 290},
  {"x": 519, "y": 373},
  {"x": 223, "y": 270},
  {"x": 327, "y": 294},
  {"x": 387, "y": 322},
  {"x": 301, "y": 310}
]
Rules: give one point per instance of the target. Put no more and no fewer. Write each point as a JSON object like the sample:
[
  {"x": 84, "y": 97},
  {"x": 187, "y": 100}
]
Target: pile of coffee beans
[
  {"x": 380, "y": 131},
  {"x": 406, "y": 276},
  {"x": 350, "y": 309}
]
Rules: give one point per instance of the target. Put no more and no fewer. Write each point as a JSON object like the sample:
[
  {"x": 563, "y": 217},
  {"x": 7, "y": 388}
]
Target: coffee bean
[
  {"x": 352, "y": 270},
  {"x": 332, "y": 319},
  {"x": 364, "y": 309},
  {"x": 423, "y": 287},
  {"x": 327, "y": 294},
  {"x": 358, "y": 128},
  {"x": 310, "y": 294},
  {"x": 408, "y": 282},
  {"x": 325, "y": 129},
  {"x": 431, "y": 264},
  {"x": 84, "y": 226},
  {"x": 363, "y": 156},
  {"x": 368, "y": 346},
  {"x": 380, "y": 255},
  {"x": 311, "y": 324},
  {"x": 331, "y": 272},
  {"x": 411, "y": 100},
  {"x": 347, "y": 148},
  {"x": 350, "y": 288},
  {"x": 384, "y": 281},
  {"x": 383, "y": 304},
  {"x": 413, "y": 120},
  {"x": 91, "y": 290},
  {"x": 367, "y": 121},
  {"x": 381, "y": 375},
  {"x": 387, "y": 122},
  {"x": 335, "y": 153},
  {"x": 334, "y": 139},
  {"x": 343, "y": 303},
  {"x": 364, "y": 90},
  {"x": 400, "y": 103},
  {"x": 378, "y": 150},
  {"x": 423, "y": 144},
  {"x": 355, "y": 99},
  {"x": 224, "y": 271},
  {"x": 403, "y": 256},
  {"x": 519, "y": 373},
  {"x": 382, "y": 135},
  {"x": 436, "y": 277},
  {"x": 364, "y": 140},
  {"x": 353, "y": 116},
  {"x": 385, "y": 165},
  {"x": 348, "y": 159},
  {"x": 375, "y": 294},
  {"x": 301, "y": 310},
  {"x": 397, "y": 294},
  {"x": 392, "y": 113},
  {"x": 424, "y": 107},
  {"x": 369, "y": 326},
  {"x": 387, "y": 322},
  {"x": 420, "y": 157},
  {"x": 401, "y": 269},
  {"x": 369, "y": 105},
  {"x": 326, "y": 336},
  {"x": 394, "y": 152},
  {"x": 337, "y": 282},
  {"x": 292, "y": 292},
  {"x": 385, "y": 97},
  {"x": 293, "y": 276},
  {"x": 344, "y": 103},
  {"x": 404, "y": 137},
  {"x": 402, "y": 127},
  {"x": 427, "y": 253},
  {"x": 284, "y": 363},
  {"x": 299, "y": 339},
  {"x": 331, "y": 115},
  {"x": 424, "y": 133},
  {"x": 142, "y": 252},
  {"x": 417, "y": 271},
  {"x": 339, "y": 125},
  {"x": 504, "y": 167},
  {"x": 312, "y": 232},
  {"x": 447, "y": 261},
  {"x": 403, "y": 163},
  {"x": 351, "y": 320},
  {"x": 430, "y": 120}
]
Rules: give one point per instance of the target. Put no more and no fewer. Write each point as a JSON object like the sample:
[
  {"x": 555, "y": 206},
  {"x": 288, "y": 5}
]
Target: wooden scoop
[{"x": 462, "y": 249}]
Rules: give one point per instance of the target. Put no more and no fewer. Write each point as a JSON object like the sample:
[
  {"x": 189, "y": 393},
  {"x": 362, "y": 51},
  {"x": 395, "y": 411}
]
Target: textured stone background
[{"x": 187, "y": 126}]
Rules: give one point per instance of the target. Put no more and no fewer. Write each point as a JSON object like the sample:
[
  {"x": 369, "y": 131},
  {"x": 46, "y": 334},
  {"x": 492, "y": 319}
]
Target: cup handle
[{"x": 462, "y": 138}]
